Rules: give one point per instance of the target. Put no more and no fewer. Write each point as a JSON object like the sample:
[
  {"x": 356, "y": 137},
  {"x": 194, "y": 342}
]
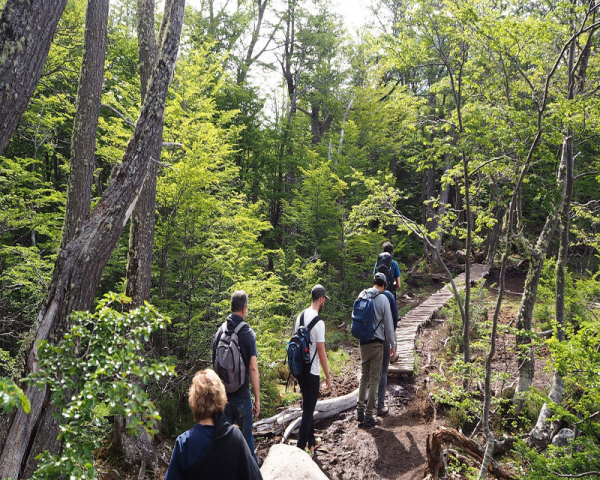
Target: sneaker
[
  {"x": 383, "y": 411},
  {"x": 310, "y": 451},
  {"x": 360, "y": 417},
  {"x": 318, "y": 441},
  {"x": 371, "y": 422},
  {"x": 260, "y": 461}
]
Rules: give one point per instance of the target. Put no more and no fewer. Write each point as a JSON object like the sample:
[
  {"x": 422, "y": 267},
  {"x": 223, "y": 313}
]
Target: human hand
[
  {"x": 392, "y": 353},
  {"x": 256, "y": 408},
  {"x": 328, "y": 383}
]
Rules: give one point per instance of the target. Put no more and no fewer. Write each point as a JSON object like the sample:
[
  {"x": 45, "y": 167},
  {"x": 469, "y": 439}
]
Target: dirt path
[{"x": 393, "y": 450}]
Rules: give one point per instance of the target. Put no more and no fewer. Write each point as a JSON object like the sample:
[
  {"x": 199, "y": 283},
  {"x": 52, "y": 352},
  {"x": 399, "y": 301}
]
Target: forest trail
[
  {"x": 410, "y": 324},
  {"x": 395, "y": 449}
]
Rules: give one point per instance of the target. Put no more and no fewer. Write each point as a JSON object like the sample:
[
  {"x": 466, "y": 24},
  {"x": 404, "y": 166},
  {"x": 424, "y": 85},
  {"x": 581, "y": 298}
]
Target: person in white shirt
[{"x": 309, "y": 381}]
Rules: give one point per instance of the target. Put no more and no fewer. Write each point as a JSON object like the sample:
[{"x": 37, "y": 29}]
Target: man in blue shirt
[
  {"x": 387, "y": 265},
  {"x": 240, "y": 407}
]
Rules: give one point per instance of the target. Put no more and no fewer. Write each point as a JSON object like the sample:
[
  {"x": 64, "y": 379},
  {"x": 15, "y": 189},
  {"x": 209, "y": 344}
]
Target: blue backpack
[
  {"x": 298, "y": 351},
  {"x": 363, "y": 316}
]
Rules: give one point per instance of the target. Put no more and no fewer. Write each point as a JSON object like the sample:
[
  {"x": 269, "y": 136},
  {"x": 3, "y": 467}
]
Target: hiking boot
[
  {"x": 371, "y": 422},
  {"x": 360, "y": 417},
  {"x": 383, "y": 411}
]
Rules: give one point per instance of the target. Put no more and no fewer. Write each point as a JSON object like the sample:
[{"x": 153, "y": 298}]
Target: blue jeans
[{"x": 240, "y": 411}]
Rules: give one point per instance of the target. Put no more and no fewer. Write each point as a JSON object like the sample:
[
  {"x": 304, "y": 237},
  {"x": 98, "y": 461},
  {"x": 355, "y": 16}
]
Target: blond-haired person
[{"x": 212, "y": 448}]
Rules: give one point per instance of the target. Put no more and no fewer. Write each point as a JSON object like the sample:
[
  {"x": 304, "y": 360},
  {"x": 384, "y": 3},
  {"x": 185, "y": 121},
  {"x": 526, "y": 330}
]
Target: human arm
[
  {"x": 255, "y": 380},
  {"x": 397, "y": 275},
  {"x": 324, "y": 364},
  {"x": 390, "y": 333}
]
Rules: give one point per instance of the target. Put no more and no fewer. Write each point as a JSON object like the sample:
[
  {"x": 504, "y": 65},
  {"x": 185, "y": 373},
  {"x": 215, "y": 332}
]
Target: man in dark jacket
[
  {"x": 212, "y": 448},
  {"x": 240, "y": 407}
]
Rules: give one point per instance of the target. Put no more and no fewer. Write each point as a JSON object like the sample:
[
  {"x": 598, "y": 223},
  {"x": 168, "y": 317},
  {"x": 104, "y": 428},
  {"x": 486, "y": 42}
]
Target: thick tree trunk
[
  {"x": 26, "y": 31},
  {"x": 80, "y": 264},
  {"x": 85, "y": 124}
]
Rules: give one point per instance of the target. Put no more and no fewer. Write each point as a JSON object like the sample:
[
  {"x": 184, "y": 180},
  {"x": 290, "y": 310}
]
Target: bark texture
[
  {"x": 26, "y": 31},
  {"x": 85, "y": 125},
  {"x": 448, "y": 436},
  {"x": 141, "y": 236},
  {"x": 80, "y": 264}
]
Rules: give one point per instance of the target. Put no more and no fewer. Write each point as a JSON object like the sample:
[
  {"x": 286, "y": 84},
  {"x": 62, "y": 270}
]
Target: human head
[
  {"x": 207, "y": 395},
  {"x": 239, "y": 301},
  {"x": 388, "y": 247},
  {"x": 319, "y": 295},
  {"x": 379, "y": 280}
]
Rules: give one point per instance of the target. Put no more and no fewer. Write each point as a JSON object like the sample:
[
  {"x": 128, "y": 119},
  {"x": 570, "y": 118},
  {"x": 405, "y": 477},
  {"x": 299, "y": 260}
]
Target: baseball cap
[
  {"x": 319, "y": 291},
  {"x": 380, "y": 276}
]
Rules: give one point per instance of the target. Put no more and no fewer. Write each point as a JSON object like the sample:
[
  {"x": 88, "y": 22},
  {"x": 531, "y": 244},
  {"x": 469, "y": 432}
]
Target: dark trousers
[
  {"x": 239, "y": 410},
  {"x": 309, "y": 386}
]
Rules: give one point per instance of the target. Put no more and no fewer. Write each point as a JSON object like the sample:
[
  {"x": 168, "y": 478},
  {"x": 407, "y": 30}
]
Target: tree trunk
[
  {"x": 26, "y": 31},
  {"x": 541, "y": 433},
  {"x": 536, "y": 256},
  {"x": 80, "y": 264},
  {"x": 141, "y": 236},
  {"x": 85, "y": 124}
]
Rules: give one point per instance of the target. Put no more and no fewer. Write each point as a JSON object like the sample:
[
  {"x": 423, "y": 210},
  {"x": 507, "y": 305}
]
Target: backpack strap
[
  {"x": 239, "y": 327},
  {"x": 313, "y": 322},
  {"x": 302, "y": 318}
]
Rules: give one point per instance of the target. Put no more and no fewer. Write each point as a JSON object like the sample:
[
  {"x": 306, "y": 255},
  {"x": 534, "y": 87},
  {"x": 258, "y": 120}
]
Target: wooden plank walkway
[{"x": 409, "y": 326}]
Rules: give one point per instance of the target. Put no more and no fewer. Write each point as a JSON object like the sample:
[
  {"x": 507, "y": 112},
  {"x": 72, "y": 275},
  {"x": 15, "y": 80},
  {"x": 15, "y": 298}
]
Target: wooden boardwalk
[{"x": 409, "y": 326}]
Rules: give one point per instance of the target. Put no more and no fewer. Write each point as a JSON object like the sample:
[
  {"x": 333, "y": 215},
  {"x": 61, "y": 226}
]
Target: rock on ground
[{"x": 285, "y": 462}]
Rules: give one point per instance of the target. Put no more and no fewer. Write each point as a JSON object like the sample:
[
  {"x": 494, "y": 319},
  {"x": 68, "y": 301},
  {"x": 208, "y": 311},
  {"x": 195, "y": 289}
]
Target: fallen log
[
  {"x": 277, "y": 424},
  {"x": 444, "y": 436}
]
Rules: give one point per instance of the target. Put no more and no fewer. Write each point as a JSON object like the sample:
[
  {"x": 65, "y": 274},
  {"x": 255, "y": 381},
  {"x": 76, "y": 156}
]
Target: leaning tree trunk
[
  {"x": 80, "y": 264},
  {"x": 85, "y": 125},
  {"x": 26, "y": 31},
  {"x": 83, "y": 162}
]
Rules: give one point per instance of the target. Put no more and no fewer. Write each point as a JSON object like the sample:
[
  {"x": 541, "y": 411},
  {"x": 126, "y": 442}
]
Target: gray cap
[
  {"x": 319, "y": 291},
  {"x": 380, "y": 276}
]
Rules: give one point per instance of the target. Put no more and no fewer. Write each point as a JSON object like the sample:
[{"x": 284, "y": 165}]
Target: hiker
[
  {"x": 382, "y": 408},
  {"x": 237, "y": 373},
  {"x": 389, "y": 267},
  {"x": 309, "y": 381},
  {"x": 212, "y": 448},
  {"x": 371, "y": 351}
]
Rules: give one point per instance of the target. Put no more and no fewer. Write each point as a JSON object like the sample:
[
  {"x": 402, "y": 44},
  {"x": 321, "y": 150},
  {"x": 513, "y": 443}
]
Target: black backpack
[{"x": 385, "y": 266}]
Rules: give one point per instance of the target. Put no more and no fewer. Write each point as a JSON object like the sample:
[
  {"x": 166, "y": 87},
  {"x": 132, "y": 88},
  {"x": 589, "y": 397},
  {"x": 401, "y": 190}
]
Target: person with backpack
[
  {"x": 212, "y": 448},
  {"x": 389, "y": 267},
  {"x": 234, "y": 359},
  {"x": 309, "y": 377},
  {"x": 372, "y": 324}
]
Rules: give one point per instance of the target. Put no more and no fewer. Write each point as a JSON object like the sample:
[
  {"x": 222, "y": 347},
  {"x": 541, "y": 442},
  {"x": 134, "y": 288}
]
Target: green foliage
[
  {"x": 100, "y": 362},
  {"x": 12, "y": 396}
]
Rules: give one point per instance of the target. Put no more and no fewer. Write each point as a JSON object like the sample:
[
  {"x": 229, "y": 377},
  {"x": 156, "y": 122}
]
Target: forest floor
[{"x": 396, "y": 449}]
